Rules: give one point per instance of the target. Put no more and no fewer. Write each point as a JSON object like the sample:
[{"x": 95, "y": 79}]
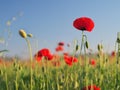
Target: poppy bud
[
  {"x": 22, "y": 33},
  {"x": 30, "y": 35},
  {"x": 118, "y": 37},
  {"x": 99, "y": 47},
  {"x": 20, "y": 68},
  {"x": 118, "y": 40},
  {"x": 77, "y": 47},
  {"x": 87, "y": 44}
]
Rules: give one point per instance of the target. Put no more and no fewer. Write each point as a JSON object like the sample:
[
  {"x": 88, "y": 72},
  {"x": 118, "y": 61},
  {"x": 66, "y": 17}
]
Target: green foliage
[{"x": 16, "y": 76}]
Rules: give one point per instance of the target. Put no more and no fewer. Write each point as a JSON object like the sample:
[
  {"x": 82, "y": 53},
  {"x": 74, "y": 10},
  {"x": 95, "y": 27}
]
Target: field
[
  {"x": 80, "y": 70},
  {"x": 102, "y": 73}
]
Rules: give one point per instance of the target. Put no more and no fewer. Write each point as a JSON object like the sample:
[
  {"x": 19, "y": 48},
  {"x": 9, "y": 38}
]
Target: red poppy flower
[
  {"x": 113, "y": 53},
  {"x": 74, "y": 59},
  {"x": 61, "y": 43},
  {"x": 94, "y": 87},
  {"x": 93, "y": 62},
  {"x": 49, "y": 57},
  {"x": 84, "y": 24},
  {"x": 38, "y": 58},
  {"x": 43, "y": 53},
  {"x": 59, "y": 48},
  {"x": 70, "y": 60},
  {"x": 67, "y": 60}
]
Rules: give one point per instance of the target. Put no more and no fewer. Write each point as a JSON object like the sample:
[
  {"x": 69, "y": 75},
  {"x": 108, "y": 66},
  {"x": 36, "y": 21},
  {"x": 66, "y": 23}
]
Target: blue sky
[{"x": 51, "y": 21}]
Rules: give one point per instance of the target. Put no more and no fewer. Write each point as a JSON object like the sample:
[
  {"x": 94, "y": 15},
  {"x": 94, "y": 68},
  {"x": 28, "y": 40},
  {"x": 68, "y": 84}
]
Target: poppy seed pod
[
  {"x": 30, "y": 35},
  {"x": 22, "y": 33},
  {"x": 99, "y": 47},
  {"x": 87, "y": 44},
  {"x": 118, "y": 40},
  {"x": 77, "y": 47}
]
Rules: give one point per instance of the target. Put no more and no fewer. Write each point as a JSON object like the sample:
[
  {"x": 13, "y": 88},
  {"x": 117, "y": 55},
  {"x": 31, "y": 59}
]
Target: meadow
[
  {"x": 102, "y": 74},
  {"x": 63, "y": 70}
]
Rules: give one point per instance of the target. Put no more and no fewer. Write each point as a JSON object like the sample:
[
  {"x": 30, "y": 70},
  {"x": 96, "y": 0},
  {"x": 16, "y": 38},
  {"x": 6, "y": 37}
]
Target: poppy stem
[
  {"x": 117, "y": 64},
  {"x": 118, "y": 58},
  {"x": 30, "y": 51},
  {"x": 84, "y": 39},
  {"x": 82, "y": 42}
]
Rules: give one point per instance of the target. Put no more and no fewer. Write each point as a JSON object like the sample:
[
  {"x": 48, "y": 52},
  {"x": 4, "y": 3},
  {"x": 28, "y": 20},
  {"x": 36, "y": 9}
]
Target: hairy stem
[{"x": 30, "y": 51}]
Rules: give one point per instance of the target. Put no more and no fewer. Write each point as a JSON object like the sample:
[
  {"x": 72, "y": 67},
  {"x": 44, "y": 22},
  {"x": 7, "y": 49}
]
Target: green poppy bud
[
  {"x": 30, "y": 35},
  {"x": 118, "y": 40},
  {"x": 99, "y": 47},
  {"x": 87, "y": 44},
  {"x": 77, "y": 47}
]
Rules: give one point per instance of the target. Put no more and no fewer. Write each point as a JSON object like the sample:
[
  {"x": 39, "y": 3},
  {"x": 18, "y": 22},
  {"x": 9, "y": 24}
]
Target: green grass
[{"x": 15, "y": 75}]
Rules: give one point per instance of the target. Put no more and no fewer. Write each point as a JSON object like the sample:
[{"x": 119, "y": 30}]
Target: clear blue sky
[{"x": 51, "y": 21}]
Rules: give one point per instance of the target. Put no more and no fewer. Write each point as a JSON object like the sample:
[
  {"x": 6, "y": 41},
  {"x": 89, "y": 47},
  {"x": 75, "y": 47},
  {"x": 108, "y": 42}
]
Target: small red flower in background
[
  {"x": 94, "y": 87},
  {"x": 59, "y": 48},
  {"x": 84, "y": 24},
  {"x": 113, "y": 53},
  {"x": 92, "y": 62},
  {"x": 67, "y": 60},
  {"x": 49, "y": 57},
  {"x": 70, "y": 60},
  {"x": 43, "y": 53},
  {"x": 38, "y": 58},
  {"x": 61, "y": 44}
]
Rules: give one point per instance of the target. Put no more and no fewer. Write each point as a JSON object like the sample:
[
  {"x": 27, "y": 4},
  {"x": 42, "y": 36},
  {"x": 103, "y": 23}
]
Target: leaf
[{"x": 3, "y": 51}]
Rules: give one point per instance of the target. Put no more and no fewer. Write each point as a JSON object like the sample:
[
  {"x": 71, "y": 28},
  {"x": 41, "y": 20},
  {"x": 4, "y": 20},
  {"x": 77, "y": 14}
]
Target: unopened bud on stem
[
  {"x": 22, "y": 33},
  {"x": 30, "y": 35}
]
